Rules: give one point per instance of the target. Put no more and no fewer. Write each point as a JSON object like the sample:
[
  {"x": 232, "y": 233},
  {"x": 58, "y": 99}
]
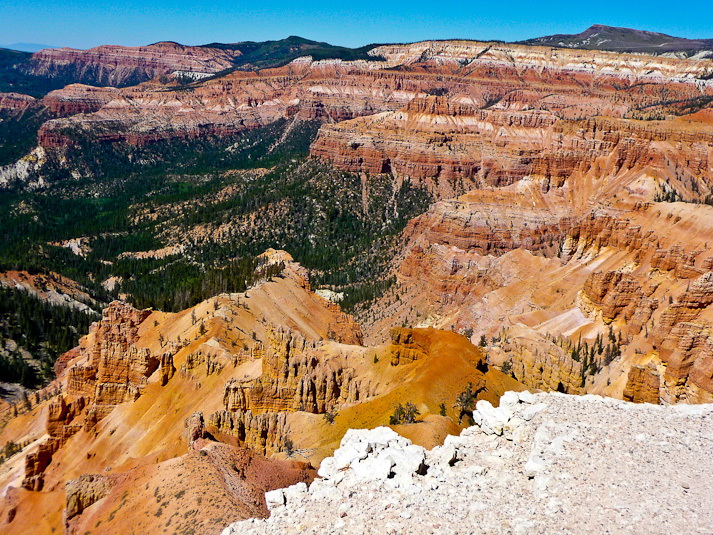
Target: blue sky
[{"x": 78, "y": 24}]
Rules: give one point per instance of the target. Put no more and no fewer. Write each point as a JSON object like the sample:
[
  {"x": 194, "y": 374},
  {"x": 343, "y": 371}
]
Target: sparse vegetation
[
  {"x": 40, "y": 329},
  {"x": 506, "y": 368},
  {"x": 289, "y": 447},
  {"x": 465, "y": 402},
  {"x": 329, "y": 417},
  {"x": 404, "y": 414}
]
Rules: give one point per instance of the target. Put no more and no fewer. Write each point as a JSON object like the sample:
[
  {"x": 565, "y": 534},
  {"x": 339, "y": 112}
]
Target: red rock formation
[
  {"x": 78, "y": 98},
  {"x": 36, "y": 463},
  {"x": 115, "y": 371},
  {"x": 298, "y": 375},
  {"x": 622, "y": 295},
  {"x": 82, "y": 492},
  {"x": 698, "y": 296},
  {"x": 450, "y": 147},
  {"x": 642, "y": 385},
  {"x": 498, "y": 123},
  {"x": 17, "y": 102},
  {"x": 119, "y": 65},
  {"x": 688, "y": 354},
  {"x": 408, "y": 345}
]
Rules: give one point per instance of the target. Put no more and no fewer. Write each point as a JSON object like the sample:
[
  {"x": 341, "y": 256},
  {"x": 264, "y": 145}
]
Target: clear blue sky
[{"x": 78, "y": 24}]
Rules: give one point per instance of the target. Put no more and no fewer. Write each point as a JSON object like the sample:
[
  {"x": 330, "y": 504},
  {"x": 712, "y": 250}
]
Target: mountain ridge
[{"x": 619, "y": 39}]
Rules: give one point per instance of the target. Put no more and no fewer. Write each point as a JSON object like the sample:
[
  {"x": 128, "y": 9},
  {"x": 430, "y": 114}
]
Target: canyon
[
  {"x": 565, "y": 247},
  {"x": 144, "y": 387}
]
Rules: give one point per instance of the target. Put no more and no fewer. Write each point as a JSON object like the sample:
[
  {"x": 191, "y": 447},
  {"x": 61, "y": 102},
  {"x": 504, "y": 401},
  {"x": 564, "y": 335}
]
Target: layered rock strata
[
  {"x": 643, "y": 385},
  {"x": 119, "y": 65},
  {"x": 297, "y": 375},
  {"x": 442, "y": 118},
  {"x": 113, "y": 371},
  {"x": 451, "y": 148}
]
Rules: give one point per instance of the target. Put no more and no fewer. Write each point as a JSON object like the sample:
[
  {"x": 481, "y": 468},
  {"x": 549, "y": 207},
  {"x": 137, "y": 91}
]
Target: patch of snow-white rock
[
  {"x": 536, "y": 464},
  {"x": 22, "y": 168}
]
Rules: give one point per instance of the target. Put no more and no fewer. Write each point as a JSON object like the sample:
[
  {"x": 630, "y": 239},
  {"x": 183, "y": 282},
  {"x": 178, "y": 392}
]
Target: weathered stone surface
[
  {"x": 85, "y": 491},
  {"x": 408, "y": 345},
  {"x": 498, "y": 485},
  {"x": 618, "y": 294},
  {"x": 194, "y": 428},
  {"x": 297, "y": 375},
  {"x": 115, "y": 371},
  {"x": 17, "y": 102},
  {"x": 37, "y": 462},
  {"x": 167, "y": 370},
  {"x": 78, "y": 98},
  {"x": 643, "y": 385},
  {"x": 264, "y": 433},
  {"x": 688, "y": 353}
]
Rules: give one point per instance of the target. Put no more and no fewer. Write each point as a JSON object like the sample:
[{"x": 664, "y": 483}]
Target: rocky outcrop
[
  {"x": 114, "y": 371},
  {"x": 544, "y": 365},
  {"x": 493, "y": 222},
  {"x": 298, "y": 375},
  {"x": 698, "y": 296},
  {"x": 16, "y": 102},
  {"x": 616, "y": 294},
  {"x": 60, "y": 416},
  {"x": 433, "y": 144},
  {"x": 78, "y": 98},
  {"x": 264, "y": 433},
  {"x": 166, "y": 368},
  {"x": 194, "y": 428},
  {"x": 643, "y": 385},
  {"x": 687, "y": 352},
  {"x": 85, "y": 491},
  {"x": 524, "y": 468},
  {"x": 408, "y": 345},
  {"x": 37, "y": 462},
  {"x": 437, "y": 143}
]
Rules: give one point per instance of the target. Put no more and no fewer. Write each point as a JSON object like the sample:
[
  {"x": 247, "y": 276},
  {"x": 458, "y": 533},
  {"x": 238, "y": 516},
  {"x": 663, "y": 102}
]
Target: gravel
[{"x": 537, "y": 464}]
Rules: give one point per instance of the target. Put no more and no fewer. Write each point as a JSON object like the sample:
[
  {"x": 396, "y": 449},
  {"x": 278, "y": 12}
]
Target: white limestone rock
[{"x": 275, "y": 498}]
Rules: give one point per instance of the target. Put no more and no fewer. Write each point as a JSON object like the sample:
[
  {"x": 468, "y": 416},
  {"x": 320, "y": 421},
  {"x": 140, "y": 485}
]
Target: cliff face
[
  {"x": 504, "y": 111},
  {"x": 594, "y": 268},
  {"x": 16, "y": 102},
  {"x": 113, "y": 371},
  {"x": 666, "y": 301},
  {"x": 77, "y": 98},
  {"x": 119, "y": 65},
  {"x": 451, "y": 147},
  {"x": 643, "y": 385}
]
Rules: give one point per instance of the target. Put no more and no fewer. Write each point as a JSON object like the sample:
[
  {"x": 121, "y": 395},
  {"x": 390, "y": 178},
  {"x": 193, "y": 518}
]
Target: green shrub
[{"x": 404, "y": 414}]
